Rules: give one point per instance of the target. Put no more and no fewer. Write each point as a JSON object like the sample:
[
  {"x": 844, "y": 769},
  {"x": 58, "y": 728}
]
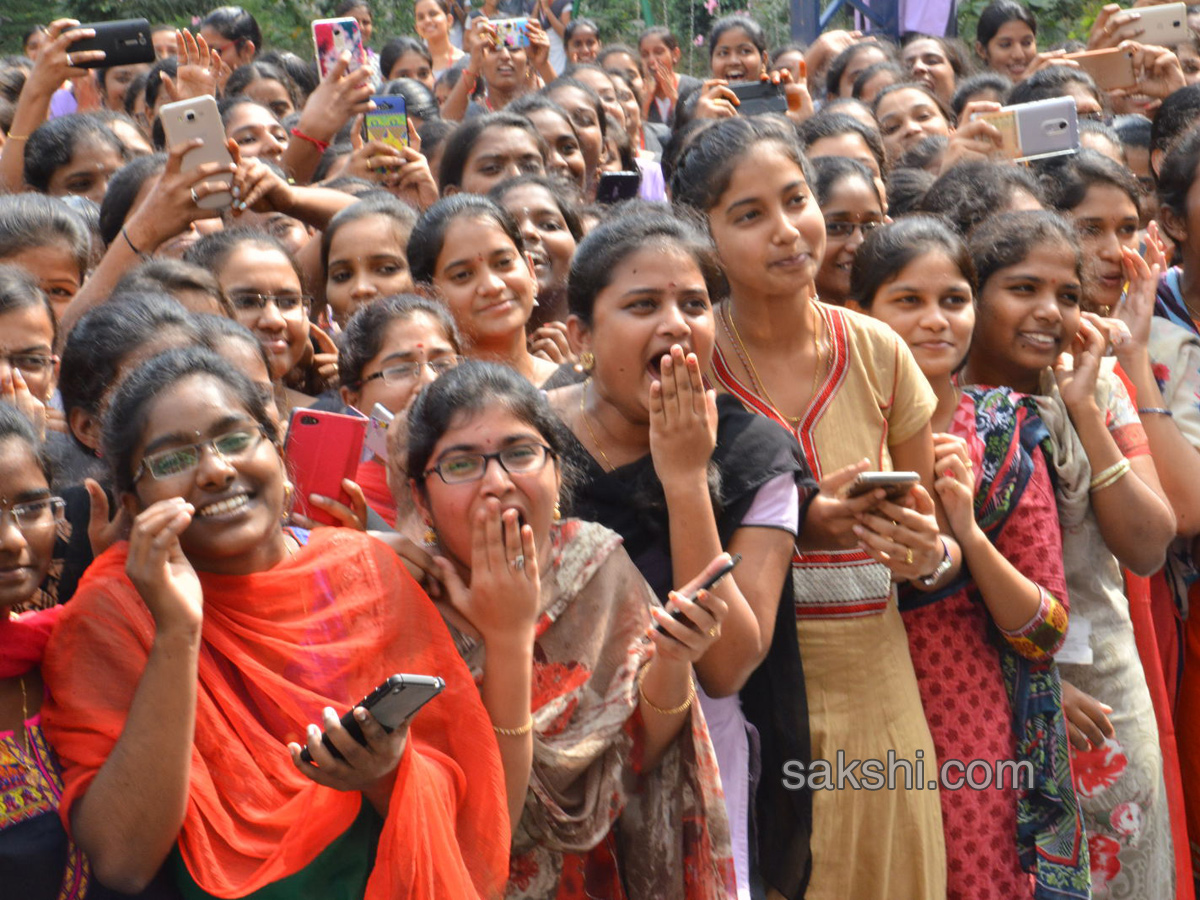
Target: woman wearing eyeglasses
[
  {"x": 265, "y": 289},
  {"x": 37, "y": 861},
  {"x": 195, "y": 659},
  {"x": 391, "y": 350},
  {"x": 850, "y": 202},
  {"x": 623, "y": 798}
]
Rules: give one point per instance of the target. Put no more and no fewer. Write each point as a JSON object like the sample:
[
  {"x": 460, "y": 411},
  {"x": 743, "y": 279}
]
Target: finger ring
[
  {"x": 908, "y": 556},
  {"x": 712, "y": 632},
  {"x": 195, "y": 198},
  {"x": 519, "y": 563},
  {"x": 70, "y": 62}
]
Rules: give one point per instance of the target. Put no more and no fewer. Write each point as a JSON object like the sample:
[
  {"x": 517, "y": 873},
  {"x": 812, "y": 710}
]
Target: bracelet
[
  {"x": 132, "y": 246},
  {"x": 16, "y": 137},
  {"x": 1155, "y": 411},
  {"x": 928, "y": 581},
  {"x": 515, "y": 732},
  {"x": 319, "y": 144},
  {"x": 1110, "y": 476},
  {"x": 674, "y": 711}
]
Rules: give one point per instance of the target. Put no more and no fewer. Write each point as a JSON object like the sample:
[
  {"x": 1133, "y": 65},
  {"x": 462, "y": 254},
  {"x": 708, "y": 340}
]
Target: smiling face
[
  {"x": 565, "y": 155},
  {"x": 602, "y": 84},
  {"x": 54, "y": 268},
  {"x": 1028, "y": 314},
  {"x": 906, "y": 117},
  {"x": 1105, "y": 221},
  {"x": 657, "y": 298},
  {"x": 500, "y": 152},
  {"x": 548, "y": 241},
  {"x": 431, "y": 22},
  {"x": 239, "y": 499},
  {"x": 655, "y": 53},
  {"x": 452, "y": 508},
  {"x": 736, "y": 58},
  {"x": 486, "y": 283},
  {"x": 366, "y": 261},
  {"x": 416, "y": 338},
  {"x": 866, "y": 56},
  {"x": 852, "y": 211},
  {"x": 767, "y": 226},
  {"x": 256, "y": 131},
  {"x": 584, "y": 46},
  {"x": 1011, "y": 50},
  {"x": 252, "y": 269},
  {"x": 928, "y": 63},
  {"x": 928, "y": 303},
  {"x": 26, "y": 552},
  {"x": 586, "y": 121}
]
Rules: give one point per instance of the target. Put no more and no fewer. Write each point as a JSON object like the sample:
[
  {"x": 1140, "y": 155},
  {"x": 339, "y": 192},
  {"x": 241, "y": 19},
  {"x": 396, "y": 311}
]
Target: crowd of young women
[{"x": 594, "y": 409}]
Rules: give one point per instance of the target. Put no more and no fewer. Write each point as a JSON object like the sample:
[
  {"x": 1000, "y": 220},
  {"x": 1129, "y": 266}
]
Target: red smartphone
[
  {"x": 332, "y": 37},
  {"x": 322, "y": 448}
]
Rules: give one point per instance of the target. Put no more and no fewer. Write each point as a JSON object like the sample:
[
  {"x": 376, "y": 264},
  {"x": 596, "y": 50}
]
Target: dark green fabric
[{"x": 339, "y": 872}]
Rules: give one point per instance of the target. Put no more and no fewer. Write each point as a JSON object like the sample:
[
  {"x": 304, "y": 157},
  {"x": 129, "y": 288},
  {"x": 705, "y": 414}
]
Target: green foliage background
[{"x": 285, "y": 22}]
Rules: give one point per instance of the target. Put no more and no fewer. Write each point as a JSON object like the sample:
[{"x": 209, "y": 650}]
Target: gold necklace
[
  {"x": 748, "y": 362},
  {"x": 588, "y": 422}
]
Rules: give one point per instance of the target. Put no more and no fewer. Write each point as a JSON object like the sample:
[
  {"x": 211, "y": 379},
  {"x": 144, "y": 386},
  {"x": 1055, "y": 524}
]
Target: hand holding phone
[
  {"x": 1036, "y": 130},
  {"x": 124, "y": 42},
  {"x": 332, "y": 38},
  {"x": 708, "y": 585},
  {"x": 512, "y": 33},
  {"x": 198, "y": 117},
  {"x": 392, "y": 704},
  {"x": 894, "y": 484},
  {"x": 758, "y": 97},
  {"x": 322, "y": 450}
]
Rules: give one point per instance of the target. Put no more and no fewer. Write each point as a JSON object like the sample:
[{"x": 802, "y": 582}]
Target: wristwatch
[{"x": 928, "y": 581}]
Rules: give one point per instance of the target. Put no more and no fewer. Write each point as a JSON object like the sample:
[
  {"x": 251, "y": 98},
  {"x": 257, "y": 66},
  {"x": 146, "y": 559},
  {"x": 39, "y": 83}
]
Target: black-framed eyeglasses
[
  {"x": 29, "y": 363},
  {"x": 36, "y": 515},
  {"x": 520, "y": 459},
  {"x": 410, "y": 371},
  {"x": 250, "y": 302},
  {"x": 178, "y": 460},
  {"x": 841, "y": 229}
]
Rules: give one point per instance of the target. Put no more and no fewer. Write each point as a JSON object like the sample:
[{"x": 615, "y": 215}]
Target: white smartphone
[
  {"x": 1165, "y": 26},
  {"x": 185, "y": 120},
  {"x": 1038, "y": 129}
]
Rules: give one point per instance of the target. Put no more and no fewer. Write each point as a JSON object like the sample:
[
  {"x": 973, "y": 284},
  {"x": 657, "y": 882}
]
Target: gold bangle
[
  {"x": 16, "y": 137},
  {"x": 515, "y": 732},
  {"x": 1110, "y": 476},
  {"x": 674, "y": 711}
]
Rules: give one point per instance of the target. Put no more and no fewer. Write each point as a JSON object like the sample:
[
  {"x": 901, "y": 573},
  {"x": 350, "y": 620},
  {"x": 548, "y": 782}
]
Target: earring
[
  {"x": 588, "y": 360},
  {"x": 557, "y": 512},
  {"x": 430, "y": 536},
  {"x": 288, "y": 490}
]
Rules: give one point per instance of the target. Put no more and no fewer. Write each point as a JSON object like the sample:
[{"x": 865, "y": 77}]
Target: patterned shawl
[{"x": 669, "y": 831}]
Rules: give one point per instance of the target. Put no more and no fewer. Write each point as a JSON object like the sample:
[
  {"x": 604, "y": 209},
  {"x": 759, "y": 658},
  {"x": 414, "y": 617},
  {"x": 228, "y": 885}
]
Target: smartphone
[
  {"x": 1165, "y": 26},
  {"x": 758, "y": 97},
  {"x": 512, "y": 32},
  {"x": 708, "y": 585},
  {"x": 388, "y": 122},
  {"x": 198, "y": 117},
  {"x": 392, "y": 704},
  {"x": 896, "y": 484},
  {"x": 333, "y": 37},
  {"x": 124, "y": 42},
  {"x": 614, "y": 187},
  {"x": 1037, "y": 130},
  {"x": 377, "y": 426},
  {"x": 322, "y": 448},
  {"x": 1111, "y": 69}
]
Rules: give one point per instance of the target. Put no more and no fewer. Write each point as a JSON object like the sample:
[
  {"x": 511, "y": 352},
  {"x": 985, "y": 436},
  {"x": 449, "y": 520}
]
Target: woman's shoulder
[
  {"x": 741, "y": 432},
  {"x": 860, "y": 328}
]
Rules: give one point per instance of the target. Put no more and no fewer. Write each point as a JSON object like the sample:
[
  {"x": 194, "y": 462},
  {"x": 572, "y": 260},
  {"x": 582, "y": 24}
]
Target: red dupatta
[{"x": 320, "y": 629}]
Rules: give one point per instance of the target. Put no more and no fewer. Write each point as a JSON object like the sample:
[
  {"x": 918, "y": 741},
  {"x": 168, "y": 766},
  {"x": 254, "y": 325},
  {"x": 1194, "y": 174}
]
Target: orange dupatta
[{"x": 320, "y": 629}]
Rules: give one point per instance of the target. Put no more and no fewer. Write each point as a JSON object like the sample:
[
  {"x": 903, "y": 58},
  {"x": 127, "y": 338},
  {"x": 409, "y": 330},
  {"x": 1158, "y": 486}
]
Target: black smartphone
[
  {"x": 392, "y": 704},
  {"x": 758, "y": 97},
  {"x": 124, "y": 42},
  {"x": 678, "y": 615},
  {"x": 615, "y": 187}
]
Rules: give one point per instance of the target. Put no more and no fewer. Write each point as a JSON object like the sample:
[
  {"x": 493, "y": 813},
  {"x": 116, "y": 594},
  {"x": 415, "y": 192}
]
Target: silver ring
[
  {"x": 70, "y": 62},
  {"x": 195, "y": 198},
  {"x": 519, "y": 563}
]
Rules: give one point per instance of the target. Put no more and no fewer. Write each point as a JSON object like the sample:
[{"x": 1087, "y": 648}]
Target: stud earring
[
  {"x": 557, "y": 512},
  {"x": 588, "y": 360},
  {"x": 430, "y": 536}
]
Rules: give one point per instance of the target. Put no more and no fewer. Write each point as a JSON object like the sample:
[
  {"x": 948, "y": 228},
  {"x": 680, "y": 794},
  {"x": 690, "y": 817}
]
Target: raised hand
[
  {"x": 683, "y": 420},
  {"x": 903, "y": 538},
  {"x": 955, "y": 482},
  {"x": 688, "y": 640},
  {"x": 201, "y": 70},
  {"x": 15, "y": 392},
  {"x": 163, "y": 576},
  {"x": 103, "y": 532}
]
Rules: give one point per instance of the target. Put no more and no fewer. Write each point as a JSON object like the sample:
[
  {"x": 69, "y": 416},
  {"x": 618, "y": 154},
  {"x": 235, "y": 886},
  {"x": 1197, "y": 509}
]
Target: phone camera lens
[
  {"x": 309, "y": 420},
  {"x": 189, "y": 116}
]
